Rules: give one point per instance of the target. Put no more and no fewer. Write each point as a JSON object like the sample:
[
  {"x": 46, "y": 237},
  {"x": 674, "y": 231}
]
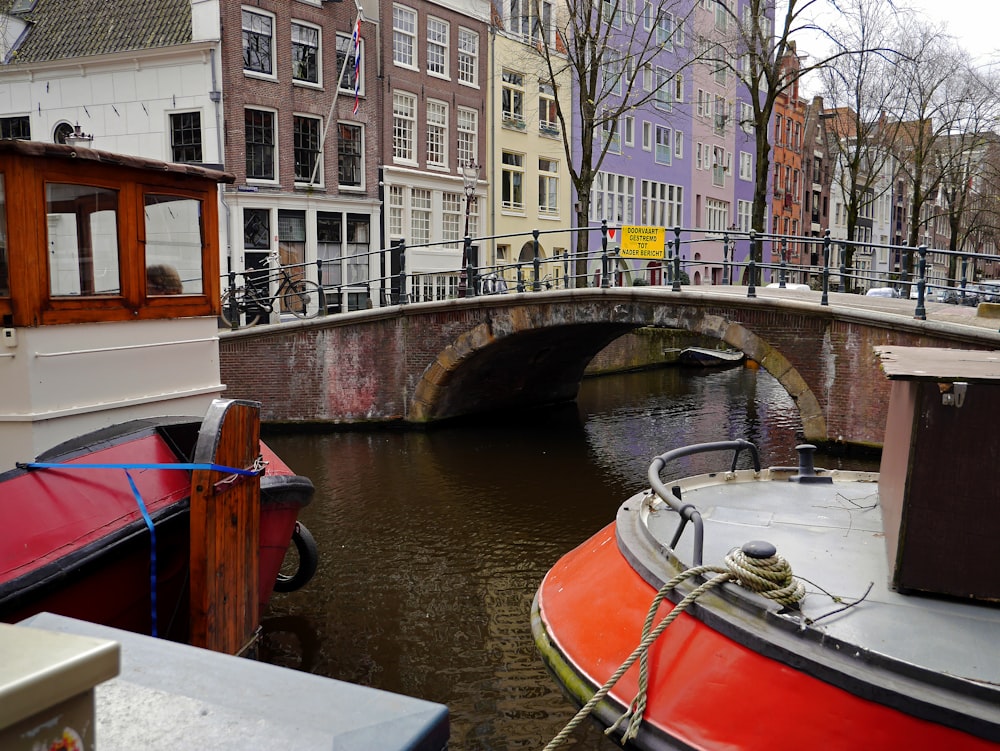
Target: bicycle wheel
[
  {"x": 302, "y": 298},
  {"x": 238, "y": 296}
]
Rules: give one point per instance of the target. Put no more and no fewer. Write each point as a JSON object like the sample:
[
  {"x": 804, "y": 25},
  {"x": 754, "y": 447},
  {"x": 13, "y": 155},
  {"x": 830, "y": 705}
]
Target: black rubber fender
[{"x": 305, "y": 544}]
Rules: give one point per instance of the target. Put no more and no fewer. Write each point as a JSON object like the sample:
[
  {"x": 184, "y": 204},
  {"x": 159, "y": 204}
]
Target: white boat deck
[{"x": 831, "y": 535}]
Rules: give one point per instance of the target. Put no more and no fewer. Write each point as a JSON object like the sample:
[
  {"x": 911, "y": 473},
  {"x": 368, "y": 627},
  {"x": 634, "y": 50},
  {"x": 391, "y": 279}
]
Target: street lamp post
[{"x": 470, "y": 178}]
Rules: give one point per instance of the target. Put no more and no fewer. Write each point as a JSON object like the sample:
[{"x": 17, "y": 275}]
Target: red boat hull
[
  {"x": 75, "y": 543},
  {"x": 705, "y": 690}
]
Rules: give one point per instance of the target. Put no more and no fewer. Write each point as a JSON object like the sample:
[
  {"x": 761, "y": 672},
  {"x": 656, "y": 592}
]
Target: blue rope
[
  {"x": 152, "y": 551},
  {"x": 142, "y": 506},
  {"x": 214, "y": 467}
]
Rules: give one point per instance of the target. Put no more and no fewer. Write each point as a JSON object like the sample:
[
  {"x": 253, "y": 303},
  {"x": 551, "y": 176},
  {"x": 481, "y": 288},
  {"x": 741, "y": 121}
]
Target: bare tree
[
  {"x": 615, "y": 58},
  {"x": 928, "y": 62},
  {"x": 968, "y": 178},
  {"x": 859, "y": 88}
]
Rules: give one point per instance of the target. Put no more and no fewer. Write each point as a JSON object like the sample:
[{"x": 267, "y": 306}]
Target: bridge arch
[{"x": 493, "y": 365}]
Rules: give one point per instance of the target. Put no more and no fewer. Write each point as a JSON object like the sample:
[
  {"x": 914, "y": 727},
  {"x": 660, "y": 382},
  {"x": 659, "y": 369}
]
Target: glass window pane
[
  {"x": 82, "y": 240},
  {"x": 173, "y": 245}
]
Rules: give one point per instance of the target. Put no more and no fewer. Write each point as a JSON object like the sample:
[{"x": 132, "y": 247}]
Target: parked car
[
  {"x": 790, "y": 285},
  {"x": 882, "y": 292}
]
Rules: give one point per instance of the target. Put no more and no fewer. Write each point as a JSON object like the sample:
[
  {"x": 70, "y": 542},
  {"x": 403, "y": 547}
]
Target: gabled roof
[{"x": 60, "y": 29}]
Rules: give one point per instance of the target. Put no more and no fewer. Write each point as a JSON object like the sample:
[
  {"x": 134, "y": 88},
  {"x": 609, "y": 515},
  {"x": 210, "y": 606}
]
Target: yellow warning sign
[{"x": 643, "y": 242}]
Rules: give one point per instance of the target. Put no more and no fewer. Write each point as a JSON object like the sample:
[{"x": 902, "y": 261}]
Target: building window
[
  {"x": 611, "y": 136},
  {"x": 292, "y": 237},
  {"x": 468, "y": 56},
  {"x": 744, "y": 213},
  {"x": 664, "y": 88},
  {"x": 438, "y": 33},
  {"x": 19, "y": 127},
  {"x": 468, "y": 135},
  {"x": 548, "y": 120},
  {"x": 530, "y": 18},
  {"x": 437, "y": 133},
  {"x": 716, "y": 215},
  {"x": 345, "y": 51},
  {"x": 420, "y": 216},
  {"x": 256, "y": 229},
  {"x": 678, "y": 144},
  {"x": 663, "y": 149},
  {"x": 647, "y": 136},
  {"x": 612, "y": 198},
  {"x": 629, "y": 130},
  {"x": 404, "y": 114},
  {"x": 512, "y": 181},
  {"x": 512, "y": 98},
  {"x": 350, "y": 150},
  {"x": 305, "y": 147},
  {"x": 305, "y": 53},
  {"x": 662, "y": 204},
  {"x": 258, "y": 43},
  {"x": 259, "y": 126},
  {"x": 396, "y": 210},
  {"x": 548, "y": 187},
  {"x": 451, "y": 219},
  {"x": 404, "y": 36},
  {"x": 746, "y": 165},
  {"x": 185, "y": 137}
]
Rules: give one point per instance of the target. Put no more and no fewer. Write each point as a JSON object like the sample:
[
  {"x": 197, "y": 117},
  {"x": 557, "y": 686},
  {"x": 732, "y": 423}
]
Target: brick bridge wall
[{"x": 431, "y": 361}]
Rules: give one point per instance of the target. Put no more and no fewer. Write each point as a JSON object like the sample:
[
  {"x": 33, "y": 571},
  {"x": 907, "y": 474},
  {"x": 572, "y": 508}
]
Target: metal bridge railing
[{"x": 377, "y": 278}]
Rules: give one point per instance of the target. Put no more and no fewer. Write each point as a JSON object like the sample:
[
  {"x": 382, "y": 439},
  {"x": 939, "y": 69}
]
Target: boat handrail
[{"x": 688, "y": 512}]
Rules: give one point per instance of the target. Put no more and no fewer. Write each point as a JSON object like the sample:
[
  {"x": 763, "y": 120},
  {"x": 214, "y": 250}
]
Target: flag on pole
[{"x": 357, "y": 62}]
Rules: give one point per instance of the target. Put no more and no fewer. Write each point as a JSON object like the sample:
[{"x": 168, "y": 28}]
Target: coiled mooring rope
[{"x": 769, "y": 575}]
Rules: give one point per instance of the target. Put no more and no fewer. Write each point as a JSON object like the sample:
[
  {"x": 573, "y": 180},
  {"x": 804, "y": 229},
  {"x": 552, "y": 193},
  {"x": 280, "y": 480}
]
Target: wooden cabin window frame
[{"x": 31, "y": 301}]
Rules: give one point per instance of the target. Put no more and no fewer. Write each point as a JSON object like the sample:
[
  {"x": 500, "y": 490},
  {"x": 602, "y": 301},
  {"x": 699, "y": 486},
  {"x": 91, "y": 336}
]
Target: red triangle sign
[{"x": 611, "y": 233}]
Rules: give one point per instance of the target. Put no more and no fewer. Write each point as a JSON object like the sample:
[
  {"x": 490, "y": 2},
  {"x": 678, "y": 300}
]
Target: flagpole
[{"x": 355, "y": 29}]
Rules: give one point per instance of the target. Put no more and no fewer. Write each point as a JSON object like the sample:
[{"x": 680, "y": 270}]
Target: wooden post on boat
[{"x": 225, "y": 529}]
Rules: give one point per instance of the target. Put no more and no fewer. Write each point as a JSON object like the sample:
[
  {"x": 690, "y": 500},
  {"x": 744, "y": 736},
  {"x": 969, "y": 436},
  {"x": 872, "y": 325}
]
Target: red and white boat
[
  {"x": 886, "y": 634},
  {"x": 116, "y": 452}
]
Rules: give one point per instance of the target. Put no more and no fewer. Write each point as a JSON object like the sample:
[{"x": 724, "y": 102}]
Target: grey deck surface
[
  {"x": 170, "y": 696},
  {"x": 831, "y": 536}
]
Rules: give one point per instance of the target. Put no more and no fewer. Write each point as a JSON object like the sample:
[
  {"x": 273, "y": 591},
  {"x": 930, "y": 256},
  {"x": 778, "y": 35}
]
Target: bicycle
[{"x": 300, "y": 297}]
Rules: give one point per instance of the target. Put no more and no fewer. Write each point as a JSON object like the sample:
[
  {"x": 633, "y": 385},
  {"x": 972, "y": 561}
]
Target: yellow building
[{"x": 529, "y": 177}]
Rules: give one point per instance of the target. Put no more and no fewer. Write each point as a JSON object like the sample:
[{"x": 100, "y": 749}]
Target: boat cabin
[
  {"x": 109, "y": 292},
  {"x": 938, "y": 479}
]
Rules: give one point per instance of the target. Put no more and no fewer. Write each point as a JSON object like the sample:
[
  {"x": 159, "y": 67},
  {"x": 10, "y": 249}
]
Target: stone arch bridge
[{"x": 427, "y": 362}]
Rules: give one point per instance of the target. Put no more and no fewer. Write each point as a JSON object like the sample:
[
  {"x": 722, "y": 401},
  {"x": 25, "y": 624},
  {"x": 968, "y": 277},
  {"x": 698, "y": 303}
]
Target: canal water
[{"x": 433, "y": 543}]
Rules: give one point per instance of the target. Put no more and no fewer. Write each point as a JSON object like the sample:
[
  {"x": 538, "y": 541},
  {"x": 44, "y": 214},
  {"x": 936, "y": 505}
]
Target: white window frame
[
  {"x": 318, "y": 83},
  {"x": 629, "y": 126},
  {"x": 612, "y": 197},
  {"x": 274, "y": 146},
  {"x": 548, "y": 187},
  {"x": 746, "y": 165},
  {"x": 404, "y": 31},
  {"x": 647, "y": 135},
  {"x": 661, "y": 204},
  {"x": 468, "y": 137},
  {"x": 510, "y": 172},
  {"x": 514, "y": 114},
  {"x": 407, "y": 155},
  {"x": 662, "y": 145},
  {"x": 250, "y": 72},
  {"x": 442, "y": 44},
  {"x": 318, "y": 153},
  {"x": 361, "y": 128},
  {"x": 437, "y": 138},
  {"x": 345, "y": 46},
  {"x": 468, "y": 57}
]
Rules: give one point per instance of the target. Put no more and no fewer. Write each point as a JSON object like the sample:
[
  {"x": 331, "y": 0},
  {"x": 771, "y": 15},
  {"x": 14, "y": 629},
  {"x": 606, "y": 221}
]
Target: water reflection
[{"x": 432, "y": 543}]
